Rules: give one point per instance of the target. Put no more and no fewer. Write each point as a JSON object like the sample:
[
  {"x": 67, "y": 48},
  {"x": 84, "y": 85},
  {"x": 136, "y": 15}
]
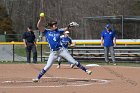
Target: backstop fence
[{"x": 126, "y": 27}]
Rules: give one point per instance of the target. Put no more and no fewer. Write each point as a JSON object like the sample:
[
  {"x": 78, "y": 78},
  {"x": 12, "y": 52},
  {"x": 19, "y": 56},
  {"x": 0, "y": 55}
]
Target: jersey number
[{"x": 54, "y": 39}]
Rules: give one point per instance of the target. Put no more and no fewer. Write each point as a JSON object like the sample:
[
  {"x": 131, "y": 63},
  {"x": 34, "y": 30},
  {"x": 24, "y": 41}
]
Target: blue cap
[{"x": 108, "y": 26}]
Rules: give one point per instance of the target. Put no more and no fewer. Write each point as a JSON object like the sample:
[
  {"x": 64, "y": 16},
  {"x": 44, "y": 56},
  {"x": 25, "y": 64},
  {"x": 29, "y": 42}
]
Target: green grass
[
  {"x": 20, "y": 50},
  {"x": 18, "y": 62},
  {"x": 131, "y": 64}
]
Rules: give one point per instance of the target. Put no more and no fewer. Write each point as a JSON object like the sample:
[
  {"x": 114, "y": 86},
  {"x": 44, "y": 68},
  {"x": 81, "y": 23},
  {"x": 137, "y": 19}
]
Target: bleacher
[
  {"x": 90, "y": 50},
  {"x": 96, "y": 53}
]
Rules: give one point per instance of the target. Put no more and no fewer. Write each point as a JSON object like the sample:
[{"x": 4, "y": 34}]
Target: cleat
[
  {"x": 108, "y": 62},
  {"x": 114, "y": 64},
  {"x": 35, "y": 80},
  {"x": 72, "y": 65},
  {"x": 88, "y": 72},
  {"x": 58, "y": 66}
]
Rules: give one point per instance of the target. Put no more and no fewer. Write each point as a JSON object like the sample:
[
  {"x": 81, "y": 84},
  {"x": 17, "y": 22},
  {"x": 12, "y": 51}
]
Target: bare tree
[{"x": 26, "y": 12}]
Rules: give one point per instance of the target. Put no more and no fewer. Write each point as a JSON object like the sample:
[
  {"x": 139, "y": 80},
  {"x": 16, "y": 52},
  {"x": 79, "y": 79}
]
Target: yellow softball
[{"x": 42, "y": 15}]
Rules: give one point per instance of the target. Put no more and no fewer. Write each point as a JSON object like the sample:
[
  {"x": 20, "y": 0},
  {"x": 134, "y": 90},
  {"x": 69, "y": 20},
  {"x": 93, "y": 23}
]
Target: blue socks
[
  {"x": 41, "y": 73},
  {"x": 81, "y": 67},
  {"x": 44, "y": 71}
]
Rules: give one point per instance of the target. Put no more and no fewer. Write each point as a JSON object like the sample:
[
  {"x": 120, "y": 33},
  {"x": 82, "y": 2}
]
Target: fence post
[
  {"x": 72, "y": 51},
  {"x": 122, "y": 27},
  {"x": 13, "y": 52},
  {"x": 41, "y": 52}
]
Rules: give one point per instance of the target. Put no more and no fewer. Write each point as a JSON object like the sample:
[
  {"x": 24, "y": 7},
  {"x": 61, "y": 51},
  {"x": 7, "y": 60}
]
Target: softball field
[{"x": 17, "y": 78}]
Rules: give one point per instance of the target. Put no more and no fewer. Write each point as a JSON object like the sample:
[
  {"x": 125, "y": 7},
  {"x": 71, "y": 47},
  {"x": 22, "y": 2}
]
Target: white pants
[{"x": 55, "y": 54}]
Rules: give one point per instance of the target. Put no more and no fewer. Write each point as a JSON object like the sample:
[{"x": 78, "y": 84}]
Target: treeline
[
  {"x": 5, "y": 22},
  {"x": 26, "y": 12}
]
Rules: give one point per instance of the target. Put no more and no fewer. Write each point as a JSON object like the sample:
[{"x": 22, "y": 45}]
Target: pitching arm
[{"x": 41, "y": 23}]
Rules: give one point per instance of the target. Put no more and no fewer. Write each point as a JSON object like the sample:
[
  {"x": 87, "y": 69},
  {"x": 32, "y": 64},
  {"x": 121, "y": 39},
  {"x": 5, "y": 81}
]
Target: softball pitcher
[{"x": 56, "y": 49}]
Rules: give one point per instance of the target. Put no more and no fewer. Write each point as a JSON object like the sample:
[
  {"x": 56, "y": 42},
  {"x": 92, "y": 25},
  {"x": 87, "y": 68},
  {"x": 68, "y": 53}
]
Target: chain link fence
[
  {"x": 126, "y": 27},
  {"x": 126, "y": 49},
  {"x": 17, "y": 52}
]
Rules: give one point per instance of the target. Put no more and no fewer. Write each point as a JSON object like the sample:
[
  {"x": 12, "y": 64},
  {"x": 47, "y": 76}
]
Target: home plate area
[{"x": 50, "y": 82}]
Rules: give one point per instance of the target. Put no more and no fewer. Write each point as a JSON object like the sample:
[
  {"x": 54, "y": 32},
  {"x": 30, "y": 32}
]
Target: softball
[{"x": 42, "y": 15}]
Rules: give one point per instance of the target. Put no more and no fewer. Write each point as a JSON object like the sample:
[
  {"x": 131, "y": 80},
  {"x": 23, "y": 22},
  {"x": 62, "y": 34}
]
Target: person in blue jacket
[{"x": 108, "y": 41}]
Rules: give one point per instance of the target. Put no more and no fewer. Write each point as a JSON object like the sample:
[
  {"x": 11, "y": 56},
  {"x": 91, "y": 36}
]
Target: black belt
[
  {"x": 29, "y": 42},
  {"x": 56, "y": 49}
]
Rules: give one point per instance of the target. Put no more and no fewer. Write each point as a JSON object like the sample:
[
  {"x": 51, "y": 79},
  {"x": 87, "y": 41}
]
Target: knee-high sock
[
  {"x": 81, "y": 67},
  {"x": 41, "y": 73}
]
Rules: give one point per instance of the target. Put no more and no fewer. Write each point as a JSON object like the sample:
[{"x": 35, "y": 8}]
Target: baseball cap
[
  {"x": 108, "y": 26},
  {"x": 67, "y": 32}
]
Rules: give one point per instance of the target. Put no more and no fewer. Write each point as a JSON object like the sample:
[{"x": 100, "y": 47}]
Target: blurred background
[{"x": 92, "y": 15}]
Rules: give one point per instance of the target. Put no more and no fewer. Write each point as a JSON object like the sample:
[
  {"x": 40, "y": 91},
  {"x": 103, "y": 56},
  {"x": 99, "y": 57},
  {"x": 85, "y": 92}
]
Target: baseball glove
[{"x": 73, "y": 24}]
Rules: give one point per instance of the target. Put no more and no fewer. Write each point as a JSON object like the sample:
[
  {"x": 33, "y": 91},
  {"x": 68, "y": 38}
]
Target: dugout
[{"x": 127, "y": 27}]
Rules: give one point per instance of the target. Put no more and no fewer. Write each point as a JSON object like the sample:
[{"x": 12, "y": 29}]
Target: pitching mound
[{"x": 50, "y": 82}]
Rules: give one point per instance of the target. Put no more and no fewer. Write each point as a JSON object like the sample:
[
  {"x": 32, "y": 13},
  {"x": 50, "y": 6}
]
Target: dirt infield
[{"x": 17, "y": 78}]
